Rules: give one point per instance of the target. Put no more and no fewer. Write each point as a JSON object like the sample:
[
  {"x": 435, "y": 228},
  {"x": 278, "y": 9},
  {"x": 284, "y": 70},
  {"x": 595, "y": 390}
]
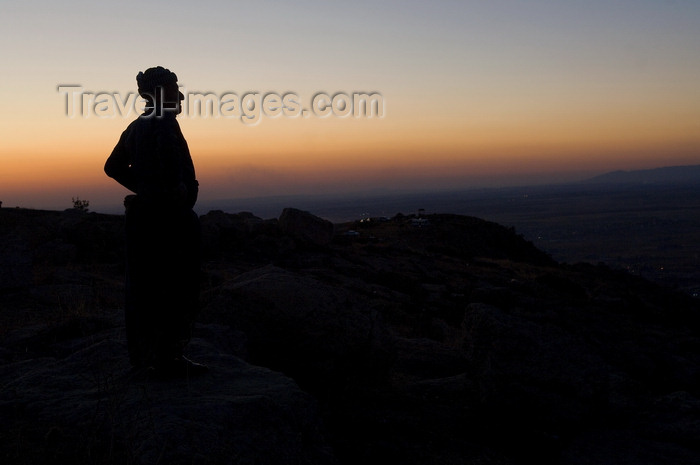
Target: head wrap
[{"x": 154, "y": 77}]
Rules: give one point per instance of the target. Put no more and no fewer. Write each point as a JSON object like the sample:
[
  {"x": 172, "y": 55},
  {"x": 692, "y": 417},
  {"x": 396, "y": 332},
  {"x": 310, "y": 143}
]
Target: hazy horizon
[
  {"x": 109, "y": 198},
  {"x": 341, "y": 206}
]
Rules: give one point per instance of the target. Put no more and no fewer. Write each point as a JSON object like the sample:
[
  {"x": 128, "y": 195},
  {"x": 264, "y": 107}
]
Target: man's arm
[{"x": 118, "y": 166}]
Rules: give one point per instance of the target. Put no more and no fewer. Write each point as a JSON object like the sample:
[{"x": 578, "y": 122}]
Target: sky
[{"x": 473, "y": 94}]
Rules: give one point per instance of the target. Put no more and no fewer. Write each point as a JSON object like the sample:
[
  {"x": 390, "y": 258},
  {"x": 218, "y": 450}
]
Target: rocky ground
[{"x": 436, "y": 340}]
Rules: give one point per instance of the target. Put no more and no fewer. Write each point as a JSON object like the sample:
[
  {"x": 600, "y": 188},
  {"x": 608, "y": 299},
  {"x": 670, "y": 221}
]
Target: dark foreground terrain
[
  {"x": 437, "y": 340},
  {"x": 644, "y": 222}
]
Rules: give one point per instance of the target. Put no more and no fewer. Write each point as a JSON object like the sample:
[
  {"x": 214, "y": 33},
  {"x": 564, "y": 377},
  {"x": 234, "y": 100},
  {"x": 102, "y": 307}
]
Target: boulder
[
  {"x": 533, "y": 372},
  {"x": 94, "y": 410},
  {"x": 304, "y": 226},
  {"x": 305, "y": 327},
  {"x": 427, "y": 359}
]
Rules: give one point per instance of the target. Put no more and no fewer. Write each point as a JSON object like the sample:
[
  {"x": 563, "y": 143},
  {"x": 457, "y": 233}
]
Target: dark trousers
[{"x": 162, "y": 281}]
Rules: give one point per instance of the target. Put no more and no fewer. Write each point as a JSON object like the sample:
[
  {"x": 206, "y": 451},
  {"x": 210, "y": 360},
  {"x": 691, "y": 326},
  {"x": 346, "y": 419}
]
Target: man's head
[{"x": 159, "y": 87}]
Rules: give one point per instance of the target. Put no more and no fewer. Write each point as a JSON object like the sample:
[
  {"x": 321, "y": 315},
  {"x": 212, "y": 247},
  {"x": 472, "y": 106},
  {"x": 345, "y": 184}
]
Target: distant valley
[{"x": 646, "y": 222}]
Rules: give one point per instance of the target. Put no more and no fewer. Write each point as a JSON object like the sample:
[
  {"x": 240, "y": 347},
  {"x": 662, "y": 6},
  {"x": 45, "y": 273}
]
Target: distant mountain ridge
[{"x": 663, "y": 175}]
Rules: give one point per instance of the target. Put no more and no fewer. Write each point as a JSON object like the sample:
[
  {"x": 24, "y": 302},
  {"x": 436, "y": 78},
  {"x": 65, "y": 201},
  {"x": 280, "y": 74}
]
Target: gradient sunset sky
[{"x": 475, "y": 93}]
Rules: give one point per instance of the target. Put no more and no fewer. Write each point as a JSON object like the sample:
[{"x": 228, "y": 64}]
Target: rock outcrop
[
  {"x": 451, "y": 340},
  {"x": 88, "y": 407},
  {"x": 305, "y": 226},
  {"x": 304, "y": 326}
]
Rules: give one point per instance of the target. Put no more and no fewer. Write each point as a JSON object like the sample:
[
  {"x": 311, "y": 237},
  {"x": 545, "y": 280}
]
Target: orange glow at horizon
[{"x": 75, "y": 152}]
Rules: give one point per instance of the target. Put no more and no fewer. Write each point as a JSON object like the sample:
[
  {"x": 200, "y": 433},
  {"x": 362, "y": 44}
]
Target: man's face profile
[{"x": 172, "y": 97}]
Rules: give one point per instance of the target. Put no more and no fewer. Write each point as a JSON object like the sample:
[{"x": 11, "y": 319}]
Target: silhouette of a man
[{"x": 162, "y": 231}]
